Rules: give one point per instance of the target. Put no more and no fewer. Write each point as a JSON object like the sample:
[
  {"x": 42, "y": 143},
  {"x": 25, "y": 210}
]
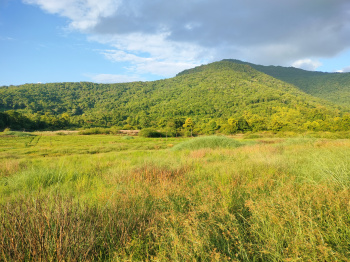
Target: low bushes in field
[
  {"x": 150, "y": 132},
  {"x": 99, "y": 131}
]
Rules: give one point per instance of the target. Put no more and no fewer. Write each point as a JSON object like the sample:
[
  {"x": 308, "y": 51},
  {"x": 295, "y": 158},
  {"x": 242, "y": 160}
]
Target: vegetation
[
  {"x": 334, "y": 87},
  {"x": 89, "y": 198},
  {"x": 150, "y": 132},
  {"x": 224, "y": 97},
  {"x": 209, "y": 142}
]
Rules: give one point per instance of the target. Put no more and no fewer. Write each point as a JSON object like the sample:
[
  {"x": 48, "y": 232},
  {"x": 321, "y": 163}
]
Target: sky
[{"x": 113, "y": 41}]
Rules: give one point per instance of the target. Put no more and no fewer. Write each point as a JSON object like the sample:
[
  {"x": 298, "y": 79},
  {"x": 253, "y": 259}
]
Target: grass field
[{"x": 70, "y": 197}]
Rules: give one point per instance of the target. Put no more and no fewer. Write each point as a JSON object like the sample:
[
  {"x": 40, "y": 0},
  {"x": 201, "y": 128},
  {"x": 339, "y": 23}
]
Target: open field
[{"x": 105, "y": 197}]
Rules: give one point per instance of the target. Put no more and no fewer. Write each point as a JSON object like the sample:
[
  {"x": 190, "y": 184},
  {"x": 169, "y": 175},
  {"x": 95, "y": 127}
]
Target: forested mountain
[
  {"x": 334, "y": 87},
  {"x": 224, "y": 96}
]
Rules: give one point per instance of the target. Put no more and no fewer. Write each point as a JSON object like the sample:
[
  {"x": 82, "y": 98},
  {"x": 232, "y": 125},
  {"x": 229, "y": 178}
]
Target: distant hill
[
  {"x": 334, "y": 87},
  {"x": 214, "y": 96}
]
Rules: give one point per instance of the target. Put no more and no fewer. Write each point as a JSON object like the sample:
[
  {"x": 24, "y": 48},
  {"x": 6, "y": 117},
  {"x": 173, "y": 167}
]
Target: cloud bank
[
  {"x": 344, "y": 70},
  {"x": 163, "y": 37},
  {"x": 110, "y": 78}
]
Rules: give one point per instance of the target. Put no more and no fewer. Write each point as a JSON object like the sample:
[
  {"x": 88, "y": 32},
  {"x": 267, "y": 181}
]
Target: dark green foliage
[
  {"x": 98, "y": 131},
  {"x": 15, "y": 120},
  {"x": 150, "y": 132}
]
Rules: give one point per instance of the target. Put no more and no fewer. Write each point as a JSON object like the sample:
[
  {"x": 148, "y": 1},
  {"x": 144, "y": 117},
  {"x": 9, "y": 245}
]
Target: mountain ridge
[
  {"x": 215, "y": 92},
  {"x": 334, "y": 87}
]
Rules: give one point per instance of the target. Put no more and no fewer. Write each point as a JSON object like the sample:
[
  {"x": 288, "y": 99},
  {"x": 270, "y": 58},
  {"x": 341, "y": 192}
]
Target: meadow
[{"x": 71, "y": 197}]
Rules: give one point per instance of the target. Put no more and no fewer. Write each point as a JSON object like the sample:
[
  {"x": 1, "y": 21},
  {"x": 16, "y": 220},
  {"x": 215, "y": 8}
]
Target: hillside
[
  {"x": 334, "y": 87},
  {"x": 216, "y": 92}
]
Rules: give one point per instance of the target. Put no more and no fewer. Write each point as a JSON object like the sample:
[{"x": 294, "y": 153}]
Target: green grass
[
  {"x": 17, "y": 134},
  {"x": 211, "y": 142},
  {"x": 273, "y": 199}
]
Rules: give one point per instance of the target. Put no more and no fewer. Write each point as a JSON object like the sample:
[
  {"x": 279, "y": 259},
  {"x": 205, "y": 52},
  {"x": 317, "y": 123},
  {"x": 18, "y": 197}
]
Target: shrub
[
  {"x": 150, "y": 132},
  {"x": 98, "y": 131},
  {"x": 128, "y": 127}
]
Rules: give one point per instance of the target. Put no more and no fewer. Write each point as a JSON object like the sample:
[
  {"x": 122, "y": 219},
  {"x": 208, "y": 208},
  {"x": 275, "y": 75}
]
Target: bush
[
  {"x": 128, "y": 127},
  {"x": 150, "y": 132},
  {"x": 114, "y": 130},
  {"x": 98, "y": 131}
]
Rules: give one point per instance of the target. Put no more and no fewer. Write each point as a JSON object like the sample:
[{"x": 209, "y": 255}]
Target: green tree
[
  {"x": 232, "y": 126},
  {"x": 189, "y": 124},
  {"x": 242, "y": 125},
  {"x": 144, "y": 119},
  {"x": 65, "y": 119}
]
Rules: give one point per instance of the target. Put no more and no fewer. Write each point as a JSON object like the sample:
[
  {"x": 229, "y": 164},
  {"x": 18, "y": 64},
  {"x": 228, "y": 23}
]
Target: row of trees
[
  {"x": 284, "y": 119},
  {"x": 17, "y": 121}
]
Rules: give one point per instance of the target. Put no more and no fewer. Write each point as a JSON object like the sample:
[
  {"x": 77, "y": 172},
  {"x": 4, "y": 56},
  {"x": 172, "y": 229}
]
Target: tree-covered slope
[
  {"x": 334, "y": 87},
  {"x": 216, "y": 92}
]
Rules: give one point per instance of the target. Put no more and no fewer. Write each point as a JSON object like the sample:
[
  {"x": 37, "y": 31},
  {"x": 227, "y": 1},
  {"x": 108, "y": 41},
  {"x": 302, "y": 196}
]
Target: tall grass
[
  {"x": 59, "y": 229},
  {"x": 275, "y": 200},
  {"x": 208, "y": 142}
]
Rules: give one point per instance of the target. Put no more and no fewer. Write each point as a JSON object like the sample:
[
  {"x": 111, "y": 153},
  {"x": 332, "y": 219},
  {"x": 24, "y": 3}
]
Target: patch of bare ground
[
  {"x": 263, "y": 141},
  {"x": 58, "y": 132},
  {"x": 130, "y": 132}
]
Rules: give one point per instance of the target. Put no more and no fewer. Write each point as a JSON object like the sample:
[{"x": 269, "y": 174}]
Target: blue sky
[
  {"x": 38, "y": 47},
  {"x": 136, "y": 40}
]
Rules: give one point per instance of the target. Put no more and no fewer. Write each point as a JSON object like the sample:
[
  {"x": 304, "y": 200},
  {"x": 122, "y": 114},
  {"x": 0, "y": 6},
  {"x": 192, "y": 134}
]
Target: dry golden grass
[
  {"x": 11, "y": 167},
  {"x": 201, "y": 153}
]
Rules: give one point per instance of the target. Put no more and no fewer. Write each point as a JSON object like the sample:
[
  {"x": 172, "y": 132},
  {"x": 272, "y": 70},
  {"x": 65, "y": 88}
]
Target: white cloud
[
  {"x": 111, "y": 78},
  {"x": 344, "y": 70},
  {"x": 142, "y": 65},
  {"x": 162, "y": 56},
  {"x": 83, "y": 14},
  {"x": 160, "y": 36},
  {"x": 6, "y": 38},
  {"x": 307, "y": 64}
]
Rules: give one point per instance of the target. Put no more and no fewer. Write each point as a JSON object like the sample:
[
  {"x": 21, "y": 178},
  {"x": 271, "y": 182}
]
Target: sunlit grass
[
  {"x": 208, "y": 142},
  {"x": 277, "y": 199}
]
